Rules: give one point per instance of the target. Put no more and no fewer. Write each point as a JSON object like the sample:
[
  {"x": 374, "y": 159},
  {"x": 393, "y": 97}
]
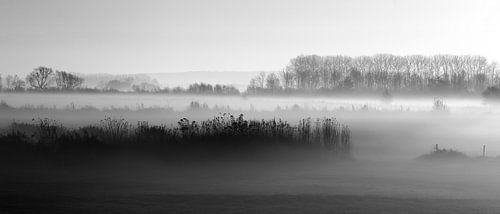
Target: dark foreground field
[
  {"x": 125, "y": 185},
  {"x": 165, "y": 203}
]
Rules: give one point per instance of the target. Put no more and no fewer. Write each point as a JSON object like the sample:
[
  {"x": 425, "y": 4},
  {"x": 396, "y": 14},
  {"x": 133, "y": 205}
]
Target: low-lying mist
[
  {"x": 386, "y": 157},
  {"x": 381, "y": 131}
]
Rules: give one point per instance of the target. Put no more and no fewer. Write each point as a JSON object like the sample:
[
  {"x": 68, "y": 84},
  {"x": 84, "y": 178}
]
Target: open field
[
  {"x": 258, "y": 204},
  {"x": 143, "y": 185},
  {"x": 379, "y": 132},
  {"x": 382, "y": 177},
  {"x": 270, "y": 106},
  {"x": 180, "y": 102}
]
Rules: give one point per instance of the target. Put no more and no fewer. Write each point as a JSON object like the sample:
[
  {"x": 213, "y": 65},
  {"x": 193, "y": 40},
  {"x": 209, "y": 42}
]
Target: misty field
[
  {"x": 404, "y": 128},
  {"x": 236, "y": 102},
  {"x": 270, "y": 106},
  {"x": 383, "y": 175}
]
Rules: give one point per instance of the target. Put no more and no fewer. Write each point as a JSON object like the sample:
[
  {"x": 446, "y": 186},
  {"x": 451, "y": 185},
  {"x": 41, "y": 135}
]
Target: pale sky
[{"x": 150, "y": 36}]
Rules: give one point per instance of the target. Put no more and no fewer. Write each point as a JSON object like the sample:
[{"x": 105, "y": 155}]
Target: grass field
[
  {"x": 152, "y": 186},
  {"x": 382, "y": 177},
  {"x": 160, "y": 203}
]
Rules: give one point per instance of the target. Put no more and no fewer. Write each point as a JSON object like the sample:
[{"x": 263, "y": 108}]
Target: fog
[
  {"x": 179, "y": 102},
  {"x": 387, "y": 140},
  {"x": 385, "y": 106},
  {"x": 403, "y": 129}
]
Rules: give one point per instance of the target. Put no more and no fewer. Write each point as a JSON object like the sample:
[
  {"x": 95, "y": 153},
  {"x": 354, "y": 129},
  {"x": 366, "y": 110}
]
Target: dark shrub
[
  {"x": 222, "y": 133},
  {"x": 443, "y": 154},
  {"x": 491, "y": 92}
]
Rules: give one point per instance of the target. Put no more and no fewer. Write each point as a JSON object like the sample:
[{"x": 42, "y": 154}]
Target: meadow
[
  {"x": 383, "y": 173},
  {"x": 236, "y": 102},
  {"x": 402, "y": 129}
]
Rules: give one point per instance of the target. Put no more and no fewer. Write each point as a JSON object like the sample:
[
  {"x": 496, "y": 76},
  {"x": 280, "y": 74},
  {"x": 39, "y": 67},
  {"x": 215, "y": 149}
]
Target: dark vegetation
[
  {"x": 224, "y": 135},
  {"x": 203, "y": 88},
  {"x": 242, "y": 203},
  {"x": 44, "y": 79},
  {"x": 492, "y": 93},
  {"x": 308, "y": 74},
  {"x": 415, "y": 73},
  {"x": 198, "y": 107},
  {"x": 443, "y": 154}
]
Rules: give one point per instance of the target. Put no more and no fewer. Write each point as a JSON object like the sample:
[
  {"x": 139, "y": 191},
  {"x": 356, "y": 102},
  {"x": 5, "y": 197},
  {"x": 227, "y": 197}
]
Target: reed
[{"x": 223, "y": 132}]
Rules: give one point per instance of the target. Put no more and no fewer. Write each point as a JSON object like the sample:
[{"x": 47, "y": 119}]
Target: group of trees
[
  {"x": 12, "y": 82},
  {"x": 42, "y": 78},
  {"x": 382, "y": 71},
  {"x": 48, "y": 79},
  {"x": 203, "y": 88},
  {"x": 195, "y": 88},
  {"x": 414, "y": 73},
  {"x": 265, "y": 83},
  {"x": 145, "y": 87}
]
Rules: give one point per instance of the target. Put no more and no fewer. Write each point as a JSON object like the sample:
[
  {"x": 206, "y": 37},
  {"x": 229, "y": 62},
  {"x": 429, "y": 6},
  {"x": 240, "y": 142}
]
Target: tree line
[
  {"x": 202, "y": 88},
  {"x": 310, "y": 73},
  {"x": 45, "y": 79},
  {"x": 42, "y": 78},
  {"x": 464, "y": 73}
]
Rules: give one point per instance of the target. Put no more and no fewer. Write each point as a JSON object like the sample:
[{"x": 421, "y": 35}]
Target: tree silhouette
[
  {"x": 67, "y": 81},
  {"x": 40, "y": 77}
]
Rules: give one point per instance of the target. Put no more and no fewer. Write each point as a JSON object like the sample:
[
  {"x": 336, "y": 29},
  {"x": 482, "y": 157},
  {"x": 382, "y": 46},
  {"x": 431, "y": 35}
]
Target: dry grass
[{"x": 222, "y": 133}]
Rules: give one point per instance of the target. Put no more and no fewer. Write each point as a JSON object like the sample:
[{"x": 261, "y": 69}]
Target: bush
[
  {"x": 222, "y": 133},
  {"x": 197, "y": 106},
  {"x": 114, "y": 129},
  {"x": 443, "y": 154},
  {"x": 5, "y": 106},
  {"x": 491, "y": 92}
]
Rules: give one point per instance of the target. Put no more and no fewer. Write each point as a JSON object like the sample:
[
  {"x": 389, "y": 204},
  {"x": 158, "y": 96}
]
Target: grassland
[
  {"x": 383, "y": 175},
  {"x": 125, "y": 185}
]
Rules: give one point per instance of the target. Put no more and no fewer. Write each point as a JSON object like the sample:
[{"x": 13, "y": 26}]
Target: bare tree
[
  {"x": 287, "y": 77},
  {"x": 261, "y": 79},
  {"x": 8, "y": 81},
  {"x": 253, "y": 86},
  {"x": 14, "y": 83},
  {"x": 40, "y": 77},
  {"x": 386, "y": 71},
  {"x": 272, "y": 82},
  {"x": 67, "y": 81}
]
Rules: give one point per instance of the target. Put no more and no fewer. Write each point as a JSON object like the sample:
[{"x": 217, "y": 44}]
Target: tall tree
[
  {"x": 287, "y": 78},
  {"x": 273, "y": 82},
  {"x": 8, "y": 81},
  {"x": 40, "y": 77},
  {"x": 261, "y": 79},
  {"x": 67, "y": 81},
  {"x": 386, "y": 71},
  {"x": 14, "y": 83}
]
